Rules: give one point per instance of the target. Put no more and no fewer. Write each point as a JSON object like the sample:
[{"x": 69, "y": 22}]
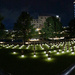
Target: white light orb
[
  {"x": 44, "y": 51},
  {"x": 54, "y": 50},
  {"x": 67, "y": 50},
  {"x": 34, "y": 55},
  {"x": 72, "y": 52},
  {"x": 62, "y": 51},
  {"x": 22, "y": 55},
  {"x": 49, "y": 51},
  {"x": 14, "y": 52},
  {"x": 57, "y": 52},
  {"x": 57, "y": 16},
  {"x": 7, "y": 47},
  {"x": 71, "y": 49},
  {"x": 46, "y": 54},
  {"x": 49, "y": 58}
]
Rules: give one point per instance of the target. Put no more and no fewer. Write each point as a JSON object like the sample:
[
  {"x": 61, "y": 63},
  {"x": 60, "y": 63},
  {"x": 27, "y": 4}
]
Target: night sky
[{"x": 11, "y": 9}]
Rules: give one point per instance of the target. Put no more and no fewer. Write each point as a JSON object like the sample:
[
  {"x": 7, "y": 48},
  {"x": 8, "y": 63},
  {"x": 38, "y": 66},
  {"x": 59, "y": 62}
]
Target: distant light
[
  {"x": 72, "y": 52},
  {"x": 74, "y": 2},
  {"x": 12, "y": 39},
  {"x": 49, "y": 51},
  {"x": 37, "y": 29},
  {"x": 49, "y": 58},
  {"x": 46, "y": 54},
  {"x": 44, "y": 51},
  {"x": 57, "y": 52},
  {"x": 34, "y": 55},
  {"x": 6, "y": 30},
  {"x": 39, "y": 33},
  {"x": 57, "y": 16},
  {"x": 14, "y": 52},
  {"x": 34, "y": 39},
  {"x": 1, "y": 42},
  {"x": 26, "y": 42},
  {"x": 54, "y": 50},
  {"x": 67, "y": 50},
  {"x": 62, "y": 51},
  {"x": 22, "y": 55},
  {"x": 71, "y": 49}
]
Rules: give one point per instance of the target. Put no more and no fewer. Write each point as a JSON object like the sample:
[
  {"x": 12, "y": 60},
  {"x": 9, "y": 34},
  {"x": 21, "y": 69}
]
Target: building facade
[{"x": 39, "y": 23}]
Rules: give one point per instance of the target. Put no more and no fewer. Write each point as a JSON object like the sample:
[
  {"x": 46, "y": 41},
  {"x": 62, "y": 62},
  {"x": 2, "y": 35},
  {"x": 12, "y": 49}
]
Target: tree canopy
[
  {"x": 2, "y": 27},
  {"x": 23, "y": 26},
  {"x": 72, "y": 27},
  {"x": 51, "y": 27}
]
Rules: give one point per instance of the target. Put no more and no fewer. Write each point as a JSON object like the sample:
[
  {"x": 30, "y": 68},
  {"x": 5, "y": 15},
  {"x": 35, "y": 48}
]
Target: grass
[{"x": 30, "y": 65}]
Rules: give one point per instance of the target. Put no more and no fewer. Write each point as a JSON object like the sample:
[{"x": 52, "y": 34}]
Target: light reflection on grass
[
  {"x": 22, "y": 57},
  {"x": 51, "y": 60},
  {"x": 14, "y": 53},
  {"x": 72, "y": 54},
  {"x": 34, "y": 56}
]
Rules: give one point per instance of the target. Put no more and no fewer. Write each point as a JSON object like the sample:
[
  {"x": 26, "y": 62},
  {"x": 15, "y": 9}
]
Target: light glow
[
  {"x": 57, "y": 52},
  {"x": 14, "y": 52},
  {"x": 46, "y": 54},
  {"x": 34, "y": 39},
  {"x": 72, "y": 52},
  {"x": 62, "y": 51},
  {"x": 22, "y": 56},
  {"x": 54, "y": 50},
  {"x": 49, "y": 51},
  {"x": 49, "y": 58},
  {"x": 34, "y": 55},
  {"x": 44, "y": 51},
  {"x": 67, "y": 50}
]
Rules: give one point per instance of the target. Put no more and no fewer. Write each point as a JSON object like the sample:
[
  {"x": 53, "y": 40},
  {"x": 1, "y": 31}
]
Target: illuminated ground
[{"x": 12, "y": 62}]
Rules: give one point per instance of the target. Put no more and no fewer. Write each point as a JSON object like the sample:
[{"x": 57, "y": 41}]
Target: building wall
[{"x": 39, "y": 23}]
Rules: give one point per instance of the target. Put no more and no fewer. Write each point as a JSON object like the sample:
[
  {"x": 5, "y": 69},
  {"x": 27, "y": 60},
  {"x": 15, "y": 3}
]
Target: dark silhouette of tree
[
  {"x": 23, "y": 26},
  {"x": 52, "y": 26},
  {"x": 2, "y": 27},
  {"x": 72, "y": 27}
]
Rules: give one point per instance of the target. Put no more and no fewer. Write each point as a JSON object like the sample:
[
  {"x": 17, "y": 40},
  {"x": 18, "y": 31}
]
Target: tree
[
  {"x": 23, "y": 27},
  {"x": 72, "y": 27},
  {"x": 1, "y": 24},
  {"x": 52, "y": 26},
  {"x": 2, "y": 27}
]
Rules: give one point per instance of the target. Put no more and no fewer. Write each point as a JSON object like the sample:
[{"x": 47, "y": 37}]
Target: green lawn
[{"x": 39, "y": 65}]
